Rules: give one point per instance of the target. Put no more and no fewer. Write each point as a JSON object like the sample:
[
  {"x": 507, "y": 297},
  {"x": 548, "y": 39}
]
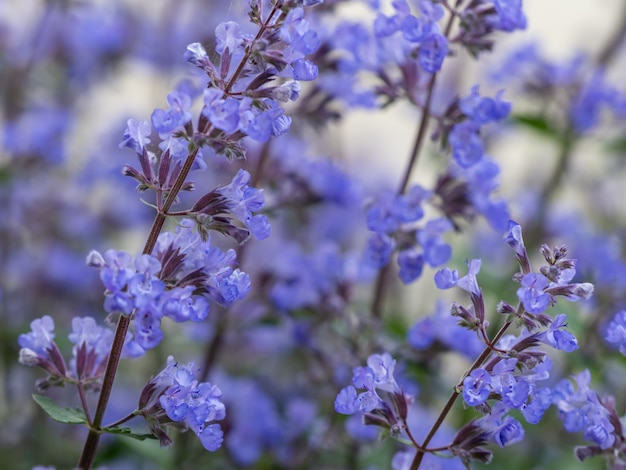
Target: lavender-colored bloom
[
  {"x": 532, "y": 294},
  {"x": 346, "y": 402},
  {"x": 304, "y": 69},
  {"x": 242, "y": 200},
  {"x": 41, "y": 336},
  {"x": 228, "y": 36},
  {"x": 540, "y": 401},
  {"x": 500, "y": 428},
  {"x": 224, "y": 113},
  {"x": 411, "y": 263},
  {"x": 432, "y": 52},
  {"x": 483, "y": 110},
  {"x": 234, "y": 287},
  {"x": 514, "y": 391},
  {"x": 616, "y": 331},
  {"x": 167, "y": 121},
  {"x": 557, "y": 337},
  {"x": 600, "y": 431},
  {"x": 417, "y": 30},
  {"x": 147, "y": 324},
  {"x": 468, "y": 282},
  {"x": 432, "y": 11},
  {"x": 378, "y": 381},
  {"x": 378, "y": 250},
  {"x": 441, "y": 326},
  {"x": 446, "y": 278},
  {"x": 436, "y": 251},
  {"x": 181, "y": 305},
  {"x": 510, "y": 15},
  {"x": 581, "y": 410},
  {"x": 385, "y": 26},
  {"x": 476, "y": 387},
  {"x": 175, "y": 395},
  {"x": 196, "y": 55},
  {"x": 136, "y": 135},
  {"x": 513, "y": 238},
  {"x": 92, "y": 344},
  {"x": 467, "y": 147},
  {"x": 295, "y": 32}
]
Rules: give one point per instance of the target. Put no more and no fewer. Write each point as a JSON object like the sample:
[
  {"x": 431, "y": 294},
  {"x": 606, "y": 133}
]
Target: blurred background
[{"x": 73, "y": 72}]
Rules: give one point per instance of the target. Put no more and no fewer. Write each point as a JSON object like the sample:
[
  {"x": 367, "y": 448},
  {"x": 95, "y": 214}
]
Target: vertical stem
[
  {"x": 93, "y": 437},
  {"x": 91, "y": 443},
  {"x": 380, "y": 290},
  {"x": 417, "y": 460}
]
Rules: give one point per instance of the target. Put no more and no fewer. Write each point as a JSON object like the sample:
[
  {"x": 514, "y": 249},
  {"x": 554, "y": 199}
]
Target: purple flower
[
  {"x": 223, "y": 113},
  {"x": 432, "y": 52},
  {"x": 346, "y": 402},
  {"x": 467, "y": 147},
  {"x": 304, "y": 69},
  {"x": 500, "y": 429},
  {"x": 616, "y": 331},
  {"x": 41, "y": 336},
  {"x": 510, "y": 15},
  {"x": 557, "y": 337},
  {"x": 378, "y": 250},
  {"x": 228, "y": 36},
  {"x": 411, "y": 263},
  {"x": 468, "y": 282},
  {"x": 540, "y": 401},
  {"x": 175, "y": 396},
  {"x": 446, "y": 278},
  {"x": 136, "y": 135},
  {"x": 532, "y": 294},
  {"x": 477, "y": 387},
  {"x": 167, "y": 121},
  {"x": 417, "y": 29},
  {"x": 483, "y": 110},
  {"x": 385, "y": 26}
]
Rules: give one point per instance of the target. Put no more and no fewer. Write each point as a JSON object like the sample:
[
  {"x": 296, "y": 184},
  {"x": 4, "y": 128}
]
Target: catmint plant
[
  {"x": 178, "y": 275},
  {"x": 289, "y": 307}
]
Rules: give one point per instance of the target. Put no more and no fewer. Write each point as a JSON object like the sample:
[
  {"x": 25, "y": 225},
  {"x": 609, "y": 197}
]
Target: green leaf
[
  {"x": 128, "y": 433},
  {"x": 60, "y": 414},
  {"x": 536, "y": 122}
]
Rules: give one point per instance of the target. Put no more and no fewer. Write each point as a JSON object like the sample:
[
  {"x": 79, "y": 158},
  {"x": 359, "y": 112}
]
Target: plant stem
[
  {"x": 93, "y": 437},
  {"x": 91, "y": 443},
  {"x": 417, "y": 460},
  {"x": 380, "y": 290}
]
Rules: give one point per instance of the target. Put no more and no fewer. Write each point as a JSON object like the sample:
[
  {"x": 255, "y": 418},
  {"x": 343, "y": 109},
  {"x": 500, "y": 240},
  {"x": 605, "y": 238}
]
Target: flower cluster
[
  {"x": 175, "y": 397},
  {"x": 92, "y": 344},
  {"x": 382, "y": 403},
  {"x": 392, "y": 218},
  {"x": 178, "y": 282}
]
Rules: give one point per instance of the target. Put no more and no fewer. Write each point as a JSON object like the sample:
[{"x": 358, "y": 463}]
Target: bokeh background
[{"x": 73, "y": 72}]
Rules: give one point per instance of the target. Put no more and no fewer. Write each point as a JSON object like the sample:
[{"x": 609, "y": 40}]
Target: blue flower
[
  {"x": 411, "y": 263},
  {"x": 500, "y": 429},
  {"x": 557, "y": 337},
  {"x": 378, "y": 250},
  {"x": 477, "y": 387},
  {"x": 175, "y": 396},
  {"x": 136, "y": 135},
  {"x": 432, "y": 52},
  {"x": 228, "y": 36},
  {"x": 446, "y": 278},
  {"x": 616, "y": 331},
  {"x": 467, "y": 147},
  {"x": 532, "y": 294}
]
